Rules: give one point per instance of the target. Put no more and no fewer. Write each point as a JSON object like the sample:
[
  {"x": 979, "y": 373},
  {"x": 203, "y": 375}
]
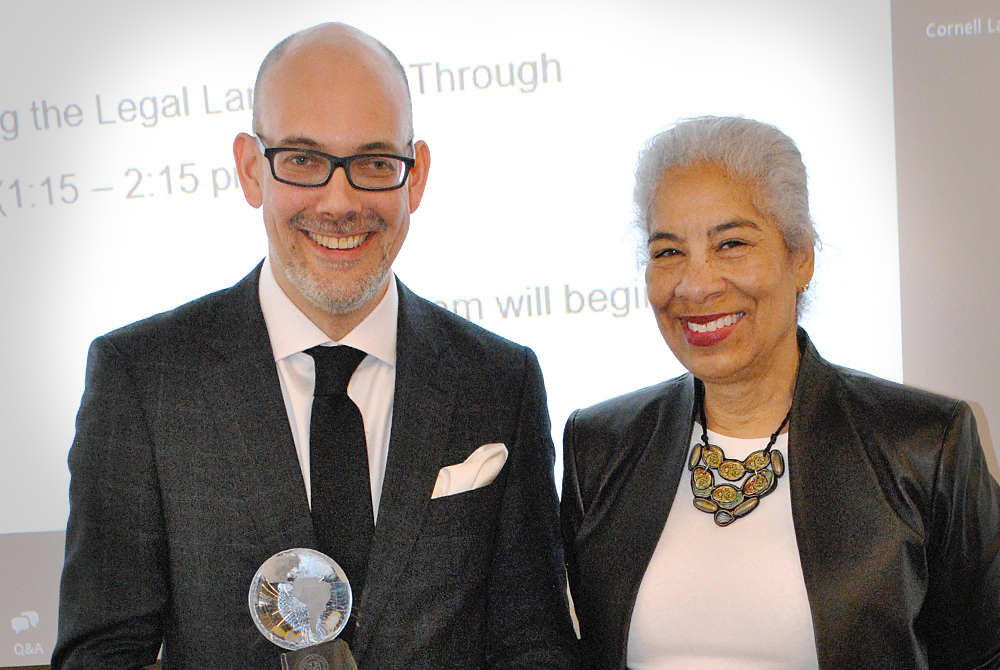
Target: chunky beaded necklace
[{"x": 732, "y": 501}]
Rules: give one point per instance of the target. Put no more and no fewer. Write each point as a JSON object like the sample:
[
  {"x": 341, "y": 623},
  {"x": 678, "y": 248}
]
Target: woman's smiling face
[{"x": 720, "y": 278}]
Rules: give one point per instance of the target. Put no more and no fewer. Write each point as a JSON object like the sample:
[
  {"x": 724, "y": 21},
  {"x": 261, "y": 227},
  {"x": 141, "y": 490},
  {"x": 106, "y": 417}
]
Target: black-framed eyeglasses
[{"x": 311, "y": 168}]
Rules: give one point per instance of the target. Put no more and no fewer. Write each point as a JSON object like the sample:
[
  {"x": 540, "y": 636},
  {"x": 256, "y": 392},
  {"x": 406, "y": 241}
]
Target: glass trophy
[{"x": 300, "y": 600}]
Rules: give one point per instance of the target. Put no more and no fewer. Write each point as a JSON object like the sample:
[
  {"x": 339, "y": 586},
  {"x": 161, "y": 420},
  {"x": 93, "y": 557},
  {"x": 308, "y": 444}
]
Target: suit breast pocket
[
  {"x": 452, "y": 554},
  {"x": 469, "y": 508},
  {"x": 462, "y": 512}
]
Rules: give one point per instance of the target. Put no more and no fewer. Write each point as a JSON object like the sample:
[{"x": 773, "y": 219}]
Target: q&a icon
[{"x": 22, "y": 623}]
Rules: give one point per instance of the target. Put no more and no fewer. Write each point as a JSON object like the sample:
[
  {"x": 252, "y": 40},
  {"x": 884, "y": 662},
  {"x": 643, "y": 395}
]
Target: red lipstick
[{"x": 708, "y": 338}]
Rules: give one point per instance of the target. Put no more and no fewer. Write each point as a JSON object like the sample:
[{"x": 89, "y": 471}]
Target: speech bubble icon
[
  {"x": 32, "y": 617},
  {"x": 20, "y": 623}
]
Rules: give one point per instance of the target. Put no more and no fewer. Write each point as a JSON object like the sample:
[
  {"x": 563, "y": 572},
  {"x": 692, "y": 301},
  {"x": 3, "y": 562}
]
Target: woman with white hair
[{"x": 768, "y": 509}]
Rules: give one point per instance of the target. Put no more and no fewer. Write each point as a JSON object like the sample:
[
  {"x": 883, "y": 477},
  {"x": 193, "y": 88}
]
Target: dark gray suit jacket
[
  {"x": 185, "y": 479},
  {"x": 896, "y": 516}
]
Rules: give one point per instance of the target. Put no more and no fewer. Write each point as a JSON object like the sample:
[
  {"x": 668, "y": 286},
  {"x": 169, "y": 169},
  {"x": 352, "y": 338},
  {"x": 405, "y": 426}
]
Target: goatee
[{"x": 330, "y": 293}]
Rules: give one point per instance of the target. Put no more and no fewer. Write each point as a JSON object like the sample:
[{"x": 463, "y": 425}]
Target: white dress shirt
[
  {"x": 372, "y": 387},
  {"x": 730, "y": 597}
]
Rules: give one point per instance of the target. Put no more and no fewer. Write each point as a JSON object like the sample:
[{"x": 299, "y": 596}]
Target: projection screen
[{"x": 119, "y": 198}]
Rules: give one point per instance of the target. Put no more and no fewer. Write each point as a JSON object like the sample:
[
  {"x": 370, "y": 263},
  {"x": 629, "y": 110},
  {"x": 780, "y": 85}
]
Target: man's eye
[
  {"x": 375, "y": 164},
  {"x": 300, "y": 160},
  {"x": 290, "y": 160}
]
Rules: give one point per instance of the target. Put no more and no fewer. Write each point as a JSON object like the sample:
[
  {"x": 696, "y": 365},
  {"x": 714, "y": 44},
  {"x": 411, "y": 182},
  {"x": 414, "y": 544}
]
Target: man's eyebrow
[
  {"x": 298, "y": 140},
  {"x": 377, "y": 146},
  {"x": 383, "y": 147}
]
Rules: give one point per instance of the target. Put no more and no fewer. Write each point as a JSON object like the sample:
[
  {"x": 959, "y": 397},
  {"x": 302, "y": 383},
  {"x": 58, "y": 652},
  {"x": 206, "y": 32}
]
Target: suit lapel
[
  {"x": 254, "y": 424},
  {"x": 426, "y": 379}
]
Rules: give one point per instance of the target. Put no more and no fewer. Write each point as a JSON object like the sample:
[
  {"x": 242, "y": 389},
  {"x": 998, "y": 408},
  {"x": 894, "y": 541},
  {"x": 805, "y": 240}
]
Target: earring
[{"x": 804, "y": 288}]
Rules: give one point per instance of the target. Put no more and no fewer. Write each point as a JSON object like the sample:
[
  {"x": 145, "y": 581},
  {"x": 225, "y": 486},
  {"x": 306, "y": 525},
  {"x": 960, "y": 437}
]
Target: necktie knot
[{"x": 334, "y": 368}]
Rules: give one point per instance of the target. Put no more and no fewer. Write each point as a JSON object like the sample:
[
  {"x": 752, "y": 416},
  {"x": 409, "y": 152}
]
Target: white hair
[{"x": 755, "y": 153}]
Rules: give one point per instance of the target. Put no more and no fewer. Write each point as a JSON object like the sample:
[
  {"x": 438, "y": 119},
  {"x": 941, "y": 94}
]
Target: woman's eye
[
  {"x": 732, "y": 244},
  {"x": 669, "y": 252}
]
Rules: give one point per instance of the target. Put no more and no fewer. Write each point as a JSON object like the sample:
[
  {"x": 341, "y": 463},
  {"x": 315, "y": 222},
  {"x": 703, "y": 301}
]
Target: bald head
[{"x": 338, "y": 43}]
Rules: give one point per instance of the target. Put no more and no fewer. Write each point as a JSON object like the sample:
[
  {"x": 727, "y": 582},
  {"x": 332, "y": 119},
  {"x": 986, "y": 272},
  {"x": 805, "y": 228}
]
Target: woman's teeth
[{"x": 722, "y": 322}]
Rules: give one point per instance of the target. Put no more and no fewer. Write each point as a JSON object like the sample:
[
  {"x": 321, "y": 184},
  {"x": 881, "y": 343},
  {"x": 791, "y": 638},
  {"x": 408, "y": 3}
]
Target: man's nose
[{"x": 338, "y": 196}]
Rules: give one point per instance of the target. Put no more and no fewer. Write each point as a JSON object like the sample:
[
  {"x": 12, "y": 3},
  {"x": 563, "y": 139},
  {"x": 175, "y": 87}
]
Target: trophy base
[{"x": 333, "y": 655}]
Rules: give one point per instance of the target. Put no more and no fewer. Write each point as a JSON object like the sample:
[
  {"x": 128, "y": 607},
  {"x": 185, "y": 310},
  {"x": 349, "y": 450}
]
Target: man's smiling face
[{"x": 332, "y": 247}]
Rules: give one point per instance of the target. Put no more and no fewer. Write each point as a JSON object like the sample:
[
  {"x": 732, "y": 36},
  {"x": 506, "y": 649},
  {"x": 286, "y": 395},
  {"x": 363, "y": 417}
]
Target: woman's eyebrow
[{"x": 739, "y": 222}]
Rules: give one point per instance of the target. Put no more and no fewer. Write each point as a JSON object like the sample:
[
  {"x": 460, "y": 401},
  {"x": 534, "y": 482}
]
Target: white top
[
  {"x": 372, "y": 387},
  {"x": 731, "y": 597}
]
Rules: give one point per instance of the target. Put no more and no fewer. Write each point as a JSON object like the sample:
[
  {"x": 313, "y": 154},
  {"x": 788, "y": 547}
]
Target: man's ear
[
  {"x": 249, "y": 164},
  {"x": 417, "y": 180}
]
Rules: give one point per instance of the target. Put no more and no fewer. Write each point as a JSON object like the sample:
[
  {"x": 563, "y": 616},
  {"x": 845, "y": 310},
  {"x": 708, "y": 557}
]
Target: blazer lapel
[
  {"x": 660, "y": 468},
  {"x": 816, "y": 449},
  {"x": 426, "y": 379},
  {"x": 244, "y": 385},
  {"x": 840, "y": 512}
]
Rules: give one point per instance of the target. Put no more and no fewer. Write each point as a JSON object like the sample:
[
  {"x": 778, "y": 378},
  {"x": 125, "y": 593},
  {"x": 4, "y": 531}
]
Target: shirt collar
[{"x": 291, "y": 331}]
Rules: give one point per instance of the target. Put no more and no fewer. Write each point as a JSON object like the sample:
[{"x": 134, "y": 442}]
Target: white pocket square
[{"x": 477, "y": 471}]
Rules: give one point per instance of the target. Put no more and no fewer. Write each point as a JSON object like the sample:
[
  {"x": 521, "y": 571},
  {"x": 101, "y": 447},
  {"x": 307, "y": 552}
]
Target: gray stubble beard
[{"x": 327, "y": 295}]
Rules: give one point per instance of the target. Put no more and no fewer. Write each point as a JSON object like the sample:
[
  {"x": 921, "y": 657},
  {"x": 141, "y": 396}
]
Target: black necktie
[{"x": 338, "y": 470}]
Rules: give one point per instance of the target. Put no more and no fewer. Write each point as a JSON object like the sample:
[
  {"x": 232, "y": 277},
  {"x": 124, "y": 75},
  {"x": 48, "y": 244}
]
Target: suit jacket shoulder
[
  {"x": 173, "y": 335},
  {"x": 435, "y": 325}
]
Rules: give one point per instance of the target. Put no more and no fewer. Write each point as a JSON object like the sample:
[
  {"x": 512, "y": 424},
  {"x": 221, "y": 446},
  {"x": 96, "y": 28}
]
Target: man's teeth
[
  {"x": 338, "y": 242},
  {"x": 727, "y": 320}
]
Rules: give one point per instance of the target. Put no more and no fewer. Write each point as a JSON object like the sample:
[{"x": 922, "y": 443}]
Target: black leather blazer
[{"x": 896, "y": 516}]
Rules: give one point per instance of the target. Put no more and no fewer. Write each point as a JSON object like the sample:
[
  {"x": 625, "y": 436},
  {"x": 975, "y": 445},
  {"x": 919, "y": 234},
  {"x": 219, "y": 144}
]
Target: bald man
[{"x": 191, "y": 463}]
